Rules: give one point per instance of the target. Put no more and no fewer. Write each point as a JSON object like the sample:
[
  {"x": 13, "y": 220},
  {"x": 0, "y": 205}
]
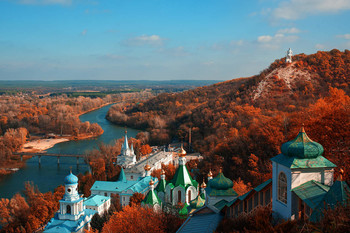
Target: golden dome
[
  {"x": 203, "y": 185},
  {"x": 162, "y": 172},
  {"x": 182, "y": 152},
  {"x": 151, "y": 182},
  {"x": 147, "y": 167},
  {"x": 210, "y": 174}
]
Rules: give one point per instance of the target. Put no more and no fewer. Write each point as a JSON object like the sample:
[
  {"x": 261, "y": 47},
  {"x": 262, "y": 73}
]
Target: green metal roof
[
  {"x": 161, "y": 186},
  {"x": 220, "y": 186},
  {"x": 227, "y": 192},
  {"x": 302, "y": 147},
  {"x": 152, "y": 198},
  {"x": 122, "y": 176},
  {"x": 197, "y": 202},
  {"x": 263, "y": 185},
  {"x": 244, "y": 195},
  {"x": 221, "y": 204},
  {"x": 220, "y": 182},
  {"x": 311, "y": 192},
  {"x": 183, "y": 178},
  {"x": 292, "y": 162},
  {"x": 338, "y": 194},
  {"x": 95, "y": 200}
]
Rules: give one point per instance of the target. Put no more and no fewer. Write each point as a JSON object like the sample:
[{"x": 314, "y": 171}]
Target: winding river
[{"x": 48, "y": 176}]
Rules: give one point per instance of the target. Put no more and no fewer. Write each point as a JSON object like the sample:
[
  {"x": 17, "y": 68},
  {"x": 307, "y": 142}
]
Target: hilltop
[{"x": 240, "y": 124}]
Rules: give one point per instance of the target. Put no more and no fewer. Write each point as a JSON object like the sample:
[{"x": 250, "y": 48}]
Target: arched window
[
  {"x": 282, "y": 188},
  {"x": 189, "y": 196},
  {"x": 179, "y": 196},
  {"x": 69, "y": 211}
]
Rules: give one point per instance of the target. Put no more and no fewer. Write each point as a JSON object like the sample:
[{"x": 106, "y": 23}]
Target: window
[
  {"x": 69, "y": 211},
  {"x": 105, "y": 194},
  {"x": 132, "y": 177},
  {"x": 282, "y": 188},
  {"x": 179, "y": 196},
  {"x": 189, "y": 196}
]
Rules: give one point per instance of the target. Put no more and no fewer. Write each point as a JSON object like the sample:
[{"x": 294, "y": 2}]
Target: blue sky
[{"x": 162, "y": 40}]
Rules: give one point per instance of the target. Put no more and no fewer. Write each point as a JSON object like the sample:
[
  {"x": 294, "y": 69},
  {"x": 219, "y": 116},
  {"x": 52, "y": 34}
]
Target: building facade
[{"x": 73, "y": 216}]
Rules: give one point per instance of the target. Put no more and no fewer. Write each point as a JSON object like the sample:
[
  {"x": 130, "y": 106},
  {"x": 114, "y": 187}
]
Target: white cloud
[
  {"x": 264, "y": 39},
  {"x": 275, "y": 41},
  {"x": 320, "y": 46},
  {"x": 345, "y": 36},
  {"x": 83, "y": 33},
  {"x": 292, "y": 30},
  {"x": 45, "y": 2},
  {"x": 153, "y": 40},
  {"x": 295, "y": 9}
]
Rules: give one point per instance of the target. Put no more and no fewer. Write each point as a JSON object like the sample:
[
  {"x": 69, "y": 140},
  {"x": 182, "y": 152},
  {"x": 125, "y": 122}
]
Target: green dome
[
  {"x": 302, "y": 147},
  {"x": 198, "y": 202},
  {"x": 220, "y": 182}
]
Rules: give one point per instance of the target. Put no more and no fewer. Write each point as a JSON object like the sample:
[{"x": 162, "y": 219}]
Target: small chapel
[
  {"x": 302, "y": 184},
  {"x": 75, "y": 213}
]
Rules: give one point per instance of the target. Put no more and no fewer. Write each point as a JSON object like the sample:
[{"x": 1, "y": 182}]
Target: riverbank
[
  {"x": 41, "y": 145},
  {"x": 93, "y": 109}
]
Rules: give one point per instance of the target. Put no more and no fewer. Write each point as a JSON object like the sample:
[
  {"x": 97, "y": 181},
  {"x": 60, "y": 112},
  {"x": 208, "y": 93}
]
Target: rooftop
[
  {"x": 140, "y": 185},
  {"x": 151, "y": 160},
  {"x": 311, "y": 192},
  {"x": 62, "y": 226},
  {"x": 95, "y": 200},
  {"x": 293, "y": 162}
]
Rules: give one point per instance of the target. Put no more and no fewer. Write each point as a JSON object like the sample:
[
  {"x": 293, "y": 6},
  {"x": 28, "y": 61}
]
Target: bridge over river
[{"x": 51, "y": 155}]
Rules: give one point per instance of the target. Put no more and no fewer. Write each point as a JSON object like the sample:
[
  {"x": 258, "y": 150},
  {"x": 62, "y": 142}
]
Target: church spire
[{"x": 125, "y": 146}]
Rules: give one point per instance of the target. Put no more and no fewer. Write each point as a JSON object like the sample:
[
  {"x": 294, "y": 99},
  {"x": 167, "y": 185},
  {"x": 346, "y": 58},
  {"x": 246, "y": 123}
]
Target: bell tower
[{"x": 71, "y": 205}]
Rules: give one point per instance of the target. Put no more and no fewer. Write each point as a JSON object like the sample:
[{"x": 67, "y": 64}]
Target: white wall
[
  {"x": 193, "y": 193},
  {"x": 175, "y": 195},
  {"x": 322, "y": 175},
  {"x": 277, "y": 206}
]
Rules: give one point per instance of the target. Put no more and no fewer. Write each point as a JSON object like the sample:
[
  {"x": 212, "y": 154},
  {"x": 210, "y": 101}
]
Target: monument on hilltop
[{"x": 289, "y": 56}]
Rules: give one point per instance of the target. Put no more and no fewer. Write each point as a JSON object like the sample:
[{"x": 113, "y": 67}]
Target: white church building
[
  {"x": 73, "y": 216},
  {"x": 127, "y": 155},
  {"x": 300, "y": 177}
]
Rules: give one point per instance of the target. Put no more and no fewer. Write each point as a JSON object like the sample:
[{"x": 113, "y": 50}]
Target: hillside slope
[{"x": 241, "y": 123}]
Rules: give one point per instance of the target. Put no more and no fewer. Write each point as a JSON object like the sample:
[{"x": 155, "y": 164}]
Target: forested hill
[{"x": 241, "y": 123}]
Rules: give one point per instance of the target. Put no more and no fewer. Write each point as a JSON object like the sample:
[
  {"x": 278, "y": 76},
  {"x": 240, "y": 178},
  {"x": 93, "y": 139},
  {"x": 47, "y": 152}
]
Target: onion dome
[
  {"x": 220, "y": 182},
  {"x": 182, "y": 152},
  {"x": 197, "y": 203},
  {"x": 151, "y": 182},
  {"x": 203, "y": 185},
  {"x": 147, "y": 167},
  {"x": 302, "y": 147},
  {"x": 210, "y": 174},
  {"x": 71, "y": 179},
  {"x": 162, "y": 172}
]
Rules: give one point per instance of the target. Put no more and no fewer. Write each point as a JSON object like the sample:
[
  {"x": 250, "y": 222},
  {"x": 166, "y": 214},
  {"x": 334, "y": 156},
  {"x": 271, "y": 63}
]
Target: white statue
[{"x": 289, "y": 56}]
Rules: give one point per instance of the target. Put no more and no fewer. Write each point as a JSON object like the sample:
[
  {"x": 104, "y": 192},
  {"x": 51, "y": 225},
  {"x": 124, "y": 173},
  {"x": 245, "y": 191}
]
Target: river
[{"x": 48, "y": 176}]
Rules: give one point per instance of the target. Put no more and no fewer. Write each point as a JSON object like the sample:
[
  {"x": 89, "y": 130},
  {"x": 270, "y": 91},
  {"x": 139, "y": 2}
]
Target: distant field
[{"x": 98, "y": 88}]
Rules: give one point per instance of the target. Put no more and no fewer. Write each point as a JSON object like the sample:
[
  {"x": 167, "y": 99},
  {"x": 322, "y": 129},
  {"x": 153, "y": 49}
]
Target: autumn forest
[{"x": 237, "y": 125}]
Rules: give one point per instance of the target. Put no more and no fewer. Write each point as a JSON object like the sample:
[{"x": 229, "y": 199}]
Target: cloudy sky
[{"x": 162, "y": 39}]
